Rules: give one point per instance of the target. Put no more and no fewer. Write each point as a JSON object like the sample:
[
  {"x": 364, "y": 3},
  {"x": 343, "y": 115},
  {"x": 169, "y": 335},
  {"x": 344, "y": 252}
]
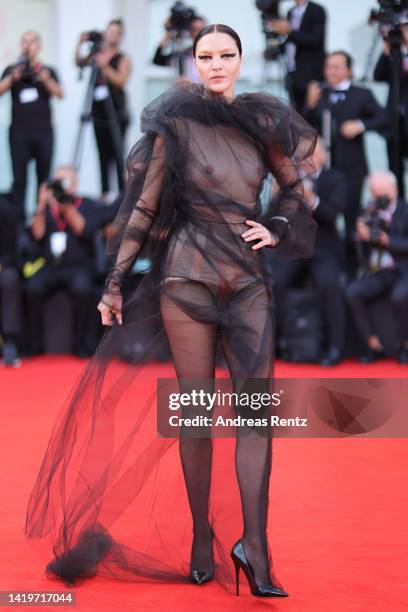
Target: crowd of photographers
[{"x": 361, "y": 254}]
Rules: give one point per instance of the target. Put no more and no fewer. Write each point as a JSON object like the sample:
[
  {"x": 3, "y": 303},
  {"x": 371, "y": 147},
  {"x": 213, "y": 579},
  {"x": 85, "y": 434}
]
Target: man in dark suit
[
  {"x": 326, "y": 194},
  {"x": 305, "y": 28},
  {"x": 387, "y": 273},
  {"x": 349, "y": 111},
  {"x": 383, "y": 72}
]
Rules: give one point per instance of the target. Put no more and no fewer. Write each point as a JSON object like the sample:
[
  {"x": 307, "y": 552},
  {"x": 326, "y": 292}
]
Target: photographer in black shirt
[
  {"x": 114, "y": 68},
  {"x": 31, "y": 84},
  {"x": 64, "y": 226}
]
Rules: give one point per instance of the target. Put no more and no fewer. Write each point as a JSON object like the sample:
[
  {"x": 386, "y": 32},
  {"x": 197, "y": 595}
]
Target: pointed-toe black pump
[
  {"x": 202, "y": 576},
  {"x": 258, "y": 590}
]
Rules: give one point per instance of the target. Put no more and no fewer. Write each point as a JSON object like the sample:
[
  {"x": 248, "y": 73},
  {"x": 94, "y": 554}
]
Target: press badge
[
  {"x": 58, "y": 243},
  {"x": 28, "y": 94},
  {"x": 101, "y": 93}
]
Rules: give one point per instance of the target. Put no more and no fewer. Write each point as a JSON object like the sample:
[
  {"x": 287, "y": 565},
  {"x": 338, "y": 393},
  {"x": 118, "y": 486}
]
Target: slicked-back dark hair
[{"x": 217, "y": 27}]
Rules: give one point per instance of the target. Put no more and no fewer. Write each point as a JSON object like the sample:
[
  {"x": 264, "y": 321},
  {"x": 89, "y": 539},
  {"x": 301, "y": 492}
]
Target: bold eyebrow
[{"x": 229, "y": 50}]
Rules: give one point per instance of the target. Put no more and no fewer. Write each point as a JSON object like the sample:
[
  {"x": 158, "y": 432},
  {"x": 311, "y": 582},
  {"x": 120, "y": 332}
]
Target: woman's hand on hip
[{"x": 259, "y": 232}]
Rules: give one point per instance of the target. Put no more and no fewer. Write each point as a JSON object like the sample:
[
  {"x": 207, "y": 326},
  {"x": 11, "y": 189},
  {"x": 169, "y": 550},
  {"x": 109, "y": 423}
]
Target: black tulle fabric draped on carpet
[{"x": 112, "y": 498}]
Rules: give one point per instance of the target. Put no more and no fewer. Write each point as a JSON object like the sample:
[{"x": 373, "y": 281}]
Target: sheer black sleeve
[
  {"x": 289, "y": 142},
  {"x": 146, "y": 178}
]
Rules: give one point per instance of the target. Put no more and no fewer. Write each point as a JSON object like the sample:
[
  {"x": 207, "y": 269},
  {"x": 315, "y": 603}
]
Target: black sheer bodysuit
[{"x": 195, "y": 177}]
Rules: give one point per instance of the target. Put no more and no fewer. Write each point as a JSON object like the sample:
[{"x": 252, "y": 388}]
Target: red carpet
[{"x": 338, "y": 509}]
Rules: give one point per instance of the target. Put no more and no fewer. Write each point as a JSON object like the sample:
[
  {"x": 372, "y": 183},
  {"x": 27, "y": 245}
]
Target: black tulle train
[{"x": 112, "y": 498}]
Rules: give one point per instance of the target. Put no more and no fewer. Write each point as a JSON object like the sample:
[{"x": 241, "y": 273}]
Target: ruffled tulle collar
[{"x": 198, "y": 91}]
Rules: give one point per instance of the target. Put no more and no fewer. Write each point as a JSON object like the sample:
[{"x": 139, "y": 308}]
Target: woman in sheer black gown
[{"x": 108, "y": 486}]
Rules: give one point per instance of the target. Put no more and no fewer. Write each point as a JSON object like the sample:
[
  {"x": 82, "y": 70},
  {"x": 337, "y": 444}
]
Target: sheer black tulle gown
[{"x": 112, "y": 498}]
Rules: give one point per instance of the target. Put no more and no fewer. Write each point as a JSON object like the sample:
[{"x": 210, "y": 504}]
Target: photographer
[
  {"x": 383, "y": 233},
  {"x": 64, "y": 226},
  {"x": 305, "y": 29},
  {"x": 383, "y": 73},
  {"x": 168, "y": 53},
  {"x": 31, "y": 84},
  {"x": 109, "y": 109},
  {"x": 326, "y": 195},
  {"x": 352, "y": 111}
]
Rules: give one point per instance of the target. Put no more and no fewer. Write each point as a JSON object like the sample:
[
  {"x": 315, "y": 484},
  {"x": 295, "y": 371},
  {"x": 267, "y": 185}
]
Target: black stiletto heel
[
  {"x": 258, "y": 590},
  {"x": 237, "y": 568},
  {"x": 199, "y": 576}
]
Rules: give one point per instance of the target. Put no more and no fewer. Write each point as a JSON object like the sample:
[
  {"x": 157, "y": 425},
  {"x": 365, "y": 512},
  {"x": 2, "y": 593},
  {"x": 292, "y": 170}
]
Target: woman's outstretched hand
[
  {"x": 259, "y": 232},
  {"x": 111, "y": 307}
]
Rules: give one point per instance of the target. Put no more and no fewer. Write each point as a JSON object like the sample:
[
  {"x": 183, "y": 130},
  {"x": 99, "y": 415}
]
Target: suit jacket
[
  {"x": 310, "y": 44},
  {"x": 398, "y": 245},
  {"x": 331, "y": 189},
  {"x": 398, "y": 235},
  {"x": 349, "y": 155}
]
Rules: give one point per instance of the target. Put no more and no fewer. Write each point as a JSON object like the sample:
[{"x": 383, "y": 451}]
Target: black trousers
[
  {"x": 10, "y": 302},
  {"x": 326, "y": 274},
  {"x": 355, "y": 181},
  {"x": 27, "y": 143},
  {"x": 296, "y": 92},
  {"x": 107, "y": 151},
  {"x": 79, "y": 281},
  {"x": 364, "y": 290},
  {"x": 398, "y": 167}
]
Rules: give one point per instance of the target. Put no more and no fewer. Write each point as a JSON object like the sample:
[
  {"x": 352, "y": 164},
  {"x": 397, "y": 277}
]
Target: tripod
[
  {"x": 370, "y": 58},
  {"x": 178, "y": 53},
  {"x": 278, "y": 59},
  {"x": 396, "y": 68},
  {"x": 86, "y": 117}
]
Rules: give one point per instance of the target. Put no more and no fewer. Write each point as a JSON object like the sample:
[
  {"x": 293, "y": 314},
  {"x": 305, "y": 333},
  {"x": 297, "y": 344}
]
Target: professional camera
[
  {"x": 372, "y": 217},
  {"x": 270, "y": 10},
  {"x": 96, "y": 38},
  {"x": 59, "y": 192},
  {"x": 180, "y": 19},
  {"x": 29, "y": 75},
  {"x": 391, "y": 15}
]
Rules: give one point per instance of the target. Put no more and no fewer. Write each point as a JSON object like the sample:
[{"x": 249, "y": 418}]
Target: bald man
[
  {"x": 387, "y": 265},
  {"x": 32, "y": 84}
]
